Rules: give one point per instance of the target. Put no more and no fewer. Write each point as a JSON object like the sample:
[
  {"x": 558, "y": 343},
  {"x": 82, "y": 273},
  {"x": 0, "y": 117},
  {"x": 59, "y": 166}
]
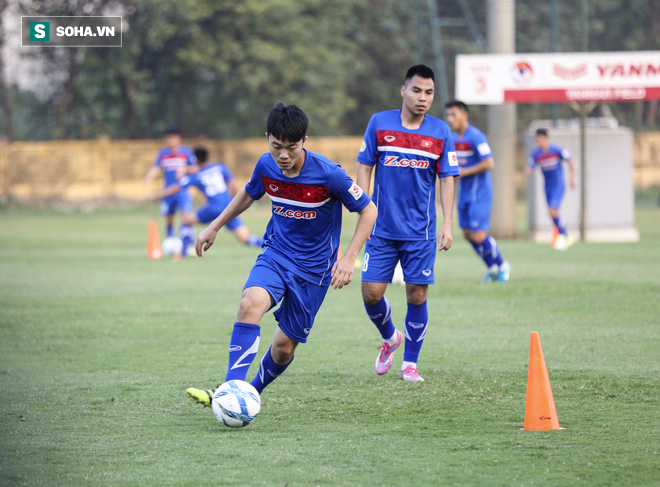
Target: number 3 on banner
[{"x": 481, "y": 85}]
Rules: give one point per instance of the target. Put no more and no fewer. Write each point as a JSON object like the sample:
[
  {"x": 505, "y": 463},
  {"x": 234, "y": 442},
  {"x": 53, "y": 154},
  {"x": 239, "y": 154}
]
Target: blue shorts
[
  {"x": 301, "y": 299},
  {"x": 417, "y": 260},
  {"x": 178, "y": 202},
  {"x": 208, "y": 213},
  {"x": 554, "y": 197},
  {"x": 474, "y": 216}
]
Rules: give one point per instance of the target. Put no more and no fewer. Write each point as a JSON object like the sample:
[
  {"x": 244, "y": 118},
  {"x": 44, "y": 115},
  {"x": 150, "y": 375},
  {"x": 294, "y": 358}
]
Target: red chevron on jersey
[
  {"x": 310, "y": 194},
  {"x": 405, "y": 140}
]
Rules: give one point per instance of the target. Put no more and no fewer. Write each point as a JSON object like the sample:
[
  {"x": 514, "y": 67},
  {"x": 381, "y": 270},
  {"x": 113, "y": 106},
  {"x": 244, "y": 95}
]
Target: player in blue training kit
[
  {"x": 217, "y": 183},
  {"x": 475, "y": 195},
  {"x": 299, "y": 261},
  {"x": 174, "y": 161},
  {"x": 409, "y": 150},
  {"x": 550, "y": 158}
]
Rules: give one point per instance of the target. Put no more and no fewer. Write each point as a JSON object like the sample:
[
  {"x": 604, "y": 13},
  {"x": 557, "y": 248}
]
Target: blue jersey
[
  {"x": 550, "y": 163},
  {"x": 303, "y": 232},
  {"x": 172, "y": 162},
  {"x": 472, "y": 148},
  {"x": 407, "y": 164},
  {"x": 212, "y": 180}
]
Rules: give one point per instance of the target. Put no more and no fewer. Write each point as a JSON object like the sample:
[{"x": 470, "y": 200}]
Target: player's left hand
[
  {"x": 204, "y": 240},
  {"x": 342, "y": 272},
  {"x": 445, "y": 238}
]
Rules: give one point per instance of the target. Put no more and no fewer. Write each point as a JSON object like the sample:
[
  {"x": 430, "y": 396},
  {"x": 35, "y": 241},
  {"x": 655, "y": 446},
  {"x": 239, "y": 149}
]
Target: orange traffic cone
[
  {"x": 154, "y": 250},
  {"x": 540, "y": 410}
]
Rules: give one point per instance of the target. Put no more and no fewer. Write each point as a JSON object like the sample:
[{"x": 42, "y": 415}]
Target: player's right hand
[{"x": 204, "y": 240}]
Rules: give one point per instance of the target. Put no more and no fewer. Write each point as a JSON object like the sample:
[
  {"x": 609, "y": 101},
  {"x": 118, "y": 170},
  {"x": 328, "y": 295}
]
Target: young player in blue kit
[
  {"x": 299, "y": 261},
  {"x": 475, "y": 196},
  {"x": 173, "y": 161},
  {"x": 409, "y": 150},
  {"x": 550, "y": 158},
  {"x": 217, "y": 183}
]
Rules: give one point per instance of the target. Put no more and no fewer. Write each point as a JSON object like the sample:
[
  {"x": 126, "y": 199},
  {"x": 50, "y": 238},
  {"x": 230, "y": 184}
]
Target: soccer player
[
  {"x": 173, "y": 161},
  {"x": 409, "y": 150},
  {"x": 299, "y": 261},
  {"x": 217, "y": 183},
  {"x": 550, "y": 158},
  {"x": 475, "y": 195}
]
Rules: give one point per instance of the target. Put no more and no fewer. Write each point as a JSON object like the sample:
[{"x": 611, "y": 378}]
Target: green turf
[{"x": 98, "y": 344}]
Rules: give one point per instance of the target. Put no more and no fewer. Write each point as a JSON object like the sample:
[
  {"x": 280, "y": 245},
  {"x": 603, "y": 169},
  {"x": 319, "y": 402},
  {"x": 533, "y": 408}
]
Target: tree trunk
[{"x": 4, "y": 86}]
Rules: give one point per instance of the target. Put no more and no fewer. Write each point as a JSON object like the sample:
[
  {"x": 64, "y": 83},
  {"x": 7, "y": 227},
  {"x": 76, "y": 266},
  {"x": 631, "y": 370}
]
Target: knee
[
  {"x": 416, "y": 294},
  {"x": 251, "y": 308},
  {"x": 282, "y": 352},
  {"x": 371, "y": 295}
]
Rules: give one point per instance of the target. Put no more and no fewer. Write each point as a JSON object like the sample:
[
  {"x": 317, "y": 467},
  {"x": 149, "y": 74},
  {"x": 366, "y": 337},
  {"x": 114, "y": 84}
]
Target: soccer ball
[
  {"x": 172, "y": 246},
  {"x": 236, "y": 403},
  {"x": 397, "y": 278}
]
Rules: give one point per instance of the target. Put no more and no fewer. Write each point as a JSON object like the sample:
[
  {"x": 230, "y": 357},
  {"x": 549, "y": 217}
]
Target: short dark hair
[
  {"x": 172, "y": 131},
  {"x": 457, "y": 103},
  {"x": 201, "y": 154},
  {"x": 287, "y": 123},
  {"x": 420, "y": 70},
  {"x": 543, "y": 132}
]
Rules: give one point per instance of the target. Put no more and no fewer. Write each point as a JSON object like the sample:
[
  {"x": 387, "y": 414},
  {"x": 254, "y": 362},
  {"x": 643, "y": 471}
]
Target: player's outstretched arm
[
  {"x": 571, "y": 168},
  {"x": 445, "y": 237},
  {"x": 241, "y": 202},
  {"x": 344, "y": 268}
]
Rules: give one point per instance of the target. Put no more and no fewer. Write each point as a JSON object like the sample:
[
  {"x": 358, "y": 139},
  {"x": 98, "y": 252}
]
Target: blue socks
[
  {"x": 243, "y": 348},
  {"x": 187, "y": 234},
  {"x": 268, "y": 372},
  {"x": 489, "y": 252},
  {"x": 560, "y": 225},
  {"x": 255, "y": 241},
  {"x": 417, "y": 321},
  {"x": 170, "y": 230},
  {"x": 380, "y": 313}
]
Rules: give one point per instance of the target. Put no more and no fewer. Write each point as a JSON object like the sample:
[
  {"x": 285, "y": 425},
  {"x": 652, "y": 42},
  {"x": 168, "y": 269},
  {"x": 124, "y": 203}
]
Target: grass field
[{"x": 98, "y": 345}]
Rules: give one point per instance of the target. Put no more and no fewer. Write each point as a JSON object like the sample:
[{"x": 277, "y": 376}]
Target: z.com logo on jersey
[
  {"x": 296, "y": 214},
  {"x": 414, "y": 163}
]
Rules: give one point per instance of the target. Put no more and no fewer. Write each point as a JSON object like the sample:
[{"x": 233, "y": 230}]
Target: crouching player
[
  {"x": 218, "y": 185},
  {"x": 299, "y": 261}
]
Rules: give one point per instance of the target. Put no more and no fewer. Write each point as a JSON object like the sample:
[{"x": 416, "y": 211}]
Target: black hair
[
  {"x": 457, "y": 103},
  {"x": 201, "y": 154},
  {"x": 172, "y": 131},
  {"x": 287, "y": 123},
  {"x": 420, "y": 70},
  {"x": 543, "y": 132}
]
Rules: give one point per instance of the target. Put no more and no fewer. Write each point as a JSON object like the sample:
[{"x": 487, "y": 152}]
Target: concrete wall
[{"x": 104, "y": 168}]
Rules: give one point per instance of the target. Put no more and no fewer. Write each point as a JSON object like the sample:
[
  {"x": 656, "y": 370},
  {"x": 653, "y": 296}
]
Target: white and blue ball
[
  {"x": 172, "y": 246},
  {"x": 236, "y": 403}
]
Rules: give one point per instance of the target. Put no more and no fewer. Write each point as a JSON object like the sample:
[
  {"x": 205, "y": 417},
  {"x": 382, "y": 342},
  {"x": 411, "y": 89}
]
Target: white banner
[{"x": 493, "y": 79}]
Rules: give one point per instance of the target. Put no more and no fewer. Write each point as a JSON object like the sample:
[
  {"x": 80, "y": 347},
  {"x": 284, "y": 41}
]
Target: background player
[
  {"x": 173, "y": 161},
  {"x": 475, "y": 196},
  {"x": 409, "y": 150},
  {"x": 299, "y": 261},
  {"x": 217, "y": 183},
  {"x": 550, "y": 157}
]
